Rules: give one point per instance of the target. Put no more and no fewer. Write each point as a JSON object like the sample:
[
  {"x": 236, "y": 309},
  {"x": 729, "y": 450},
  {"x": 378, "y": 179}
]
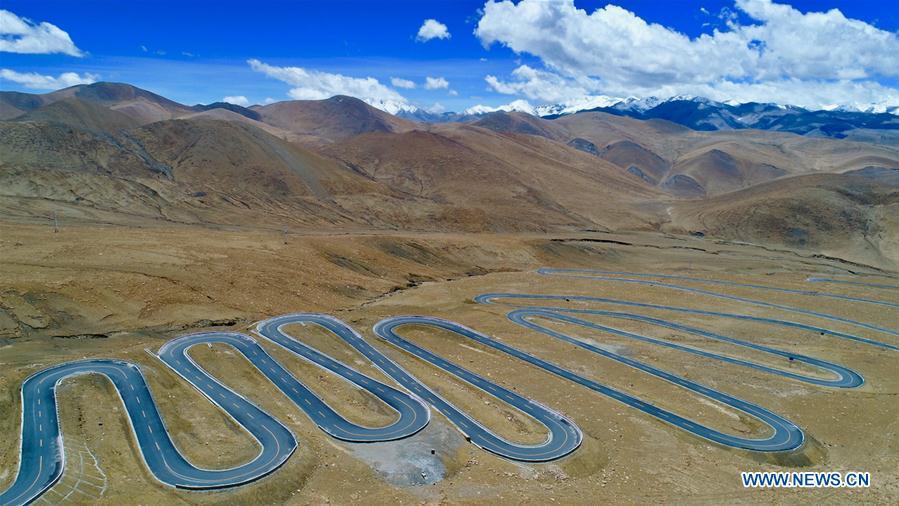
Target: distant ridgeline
[{"x": 708, "y": 115}]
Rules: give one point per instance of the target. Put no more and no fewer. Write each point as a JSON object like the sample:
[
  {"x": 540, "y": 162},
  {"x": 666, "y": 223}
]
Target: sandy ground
[{"x": 97, "y": 291}]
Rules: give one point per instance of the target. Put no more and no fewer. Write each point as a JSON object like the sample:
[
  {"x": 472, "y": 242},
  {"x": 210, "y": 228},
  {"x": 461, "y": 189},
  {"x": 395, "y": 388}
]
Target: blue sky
[{"x": 198, "y": 51}]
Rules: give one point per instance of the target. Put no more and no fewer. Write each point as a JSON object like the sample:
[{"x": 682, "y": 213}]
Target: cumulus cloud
[
  {"x": 542, "y": 85},
  {"x": 515, "y": 105},
  {"x": 37, "y": 81},
  {"x": 21, "y": 35},
  {"x": 436, "y": 83},
  {"x": 437, "y": 108},
  {"x": 432, "y": 29},
  {"x": 237, "y": 100},
  {"x": 615, "y": 51},
  {"x": 311, "y": 84},
  {"x": 402, "y": 83}
]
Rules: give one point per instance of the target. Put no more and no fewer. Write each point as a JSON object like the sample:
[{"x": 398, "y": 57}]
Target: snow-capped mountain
[
  {"x": 633, "y": 104},
  {"x": 394, "y": 107},
  {"x": 573, "y": 106},
  {"x": 514, "y": 106},
  {"x": 700, "y": 113}
]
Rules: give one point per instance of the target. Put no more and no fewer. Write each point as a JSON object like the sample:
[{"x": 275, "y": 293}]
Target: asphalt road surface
[
  {"x": 564, "y": 435},
  {"x": 42, "y": 458}
]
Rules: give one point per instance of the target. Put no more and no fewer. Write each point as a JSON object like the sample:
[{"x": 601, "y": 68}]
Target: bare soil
[{"x": 106, "y": 291}]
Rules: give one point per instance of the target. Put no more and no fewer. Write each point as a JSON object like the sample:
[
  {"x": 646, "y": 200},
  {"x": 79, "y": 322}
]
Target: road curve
[
  {"x": 841, "y": 377},
  {"x": 564, "y": 435},
  {"x": 786, "y": 435},
  {"x": 414, "y": 415},
  {"x": 42, "y": 458},
  {"x": 613, "y": 276},
  {"x": 488, "y": 298}
]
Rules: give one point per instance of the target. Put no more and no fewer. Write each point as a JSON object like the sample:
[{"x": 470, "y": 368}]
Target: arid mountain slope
[
  {"x": 520, "y": 123},
  {"x": 849, "y": 216},
  {"x": 141, "y": 105},
  {"x": 718, "y": 171},
  {"x": 638, "y": 160},
  {"x": 203, "y": 169},
  {"x": 713, "y": 163},
  {"x": 14, "y": 103},
  {"x": 178, "y": 170},
  {"x": 81, "y": 114},
  {"x": 499, "y": 182},
  {"x": 111, "y": 152},
  {"x": 318, "y": 122}
]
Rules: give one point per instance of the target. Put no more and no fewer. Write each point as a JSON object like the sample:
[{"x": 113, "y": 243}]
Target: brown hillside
[
  {"x": 81, "y": 114},
  {"x": 317, "y": 122},
  {"x": 636, "y": 159},
  {"x": 520, "y": 123},
  {"x": 849, "y": 216}
]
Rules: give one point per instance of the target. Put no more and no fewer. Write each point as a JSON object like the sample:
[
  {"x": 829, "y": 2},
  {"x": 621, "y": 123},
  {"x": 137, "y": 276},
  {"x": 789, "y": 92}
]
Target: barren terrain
[
  {"x": 127, "y": 220},
  {"x": 105, "y": 291}
]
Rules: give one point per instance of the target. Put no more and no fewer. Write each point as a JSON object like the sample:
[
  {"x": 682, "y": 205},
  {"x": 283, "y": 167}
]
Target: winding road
[{"x": 42, "y": 457}]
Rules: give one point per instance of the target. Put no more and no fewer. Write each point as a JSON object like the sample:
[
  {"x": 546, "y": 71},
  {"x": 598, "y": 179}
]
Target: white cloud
[
  {"x": 402, "y": 83},
  {"x": 437, "y": 108},
  {"x": 453, "y": 93},
  {"x": 584, "y": 103},
  {"x": 810, "y": 94},
  {"x": 577, "y": 94},
  {"x": 436, "y": 83},
  {"x": 515, "y": 105},
  {"x": 614, "y": 51},
  {"x": 542, "y": 85},
  {"x": 21, "y": 35},
  {"x": 269, "y": 100},
  {"x": 317, "y": 85},
  {"x": 432, "y": 29},
  {"x": 237, "y": 100},
  {"x": 37, "y": 81}
]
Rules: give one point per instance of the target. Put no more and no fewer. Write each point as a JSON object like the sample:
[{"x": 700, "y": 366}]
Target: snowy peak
[
  {"x": 573, "y": 106},
  {"x": 700, "y": 113},
  {"x": 641, "y": 105}
]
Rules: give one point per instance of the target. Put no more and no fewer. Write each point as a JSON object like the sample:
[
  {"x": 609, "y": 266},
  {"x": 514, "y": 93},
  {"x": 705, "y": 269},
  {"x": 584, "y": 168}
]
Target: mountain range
[
  {"x": 114, "y": 153},
  {"x": 703, "y": 114}
]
